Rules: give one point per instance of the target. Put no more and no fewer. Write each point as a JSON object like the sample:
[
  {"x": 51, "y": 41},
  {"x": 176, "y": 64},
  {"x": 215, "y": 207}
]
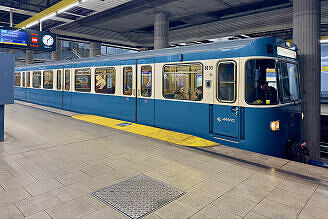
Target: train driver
[{"x": 268, "y": 94}]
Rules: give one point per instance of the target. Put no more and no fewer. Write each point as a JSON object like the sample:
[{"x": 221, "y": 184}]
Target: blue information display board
[
  {"x": 27, "y": 39},
  {"x": 13, "y": 37}
]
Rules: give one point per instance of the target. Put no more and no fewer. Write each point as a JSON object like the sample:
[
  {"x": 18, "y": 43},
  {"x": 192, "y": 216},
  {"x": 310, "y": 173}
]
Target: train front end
[{"x": 273, "y": 109}]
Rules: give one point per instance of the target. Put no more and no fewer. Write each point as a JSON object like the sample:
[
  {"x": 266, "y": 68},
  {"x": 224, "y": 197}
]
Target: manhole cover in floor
[{"x": 138, "y": 196}]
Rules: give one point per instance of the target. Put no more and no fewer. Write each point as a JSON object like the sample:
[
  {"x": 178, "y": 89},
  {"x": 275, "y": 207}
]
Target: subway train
[{"x": 241, "y": 93}]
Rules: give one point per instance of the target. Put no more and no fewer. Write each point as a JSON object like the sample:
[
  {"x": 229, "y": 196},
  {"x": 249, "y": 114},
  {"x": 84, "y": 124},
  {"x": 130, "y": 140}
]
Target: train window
[
  {"x": 127, "y": 80},
  {"x": 261, "y": 82},
  {"x": 17, "y": 79},
  {"x": 288, "y": 82},
  {"x": 146, "y": 72},
  {"x": 28, "y": 79},
  {"x": 59, "y": 80},
  {"x": 226, "y": 82},
  {"x": 48, "y": 79},
  {"x": 183, "y": 82},
  {"x": 23, "y": 79},
  {"x": 105, "y": 80},
  {"x": 36, "y": 82},
  {"x": 83, "y": 80},
  {"x": 67, "y": 80}
]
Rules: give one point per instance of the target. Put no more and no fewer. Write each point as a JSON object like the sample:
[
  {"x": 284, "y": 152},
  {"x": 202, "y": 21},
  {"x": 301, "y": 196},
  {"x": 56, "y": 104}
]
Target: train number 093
[{"x": 208, "y": 67}]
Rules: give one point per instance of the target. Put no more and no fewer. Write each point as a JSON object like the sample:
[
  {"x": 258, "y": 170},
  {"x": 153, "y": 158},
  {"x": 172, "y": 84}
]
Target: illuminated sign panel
[
  {"x": 27, "y": 39},
  {"x": 13, "y": 37},
  {"x": 286, "y": 52}
]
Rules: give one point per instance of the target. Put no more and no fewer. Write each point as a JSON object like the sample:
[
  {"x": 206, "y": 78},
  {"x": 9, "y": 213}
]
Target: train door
[
  {"x": 128, "y": 100},
  {"x": 225, "y": 119},
  {"x": 146, "y": 92},
  {"x": 67, "y": 87},
  {"x": 59, "y": 87}
]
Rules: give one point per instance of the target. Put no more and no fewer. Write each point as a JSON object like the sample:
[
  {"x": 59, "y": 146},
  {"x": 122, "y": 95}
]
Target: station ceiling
[{"x": 130, "y": 22}]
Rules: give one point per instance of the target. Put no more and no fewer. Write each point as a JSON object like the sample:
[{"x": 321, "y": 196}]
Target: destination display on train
[{"x": 27, "y": 39}]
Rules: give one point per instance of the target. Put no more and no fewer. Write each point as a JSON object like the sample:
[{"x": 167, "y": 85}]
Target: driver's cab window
[{"x": 261, "y": 82}]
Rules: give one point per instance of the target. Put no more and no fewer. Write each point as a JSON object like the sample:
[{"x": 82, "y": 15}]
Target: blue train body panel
[
  {"x": 225, "y": 120},
  {"x": 177, "y": 115},
  {"x": 20, "y": 93},
  {"x": 146, "y": 111}
]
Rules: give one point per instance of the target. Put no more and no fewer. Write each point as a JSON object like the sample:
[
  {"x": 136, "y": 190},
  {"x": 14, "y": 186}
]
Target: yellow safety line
[{"x": 148, "y": 131}]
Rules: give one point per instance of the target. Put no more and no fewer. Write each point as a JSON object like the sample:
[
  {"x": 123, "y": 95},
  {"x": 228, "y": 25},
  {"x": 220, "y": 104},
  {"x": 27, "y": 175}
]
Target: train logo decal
[{"x": 225, "y": 119}]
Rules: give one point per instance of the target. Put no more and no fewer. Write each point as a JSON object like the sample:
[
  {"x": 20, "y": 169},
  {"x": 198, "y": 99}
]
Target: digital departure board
[
  {"x": 27, "y": 39},
  {"x": 13, "y": 37}
]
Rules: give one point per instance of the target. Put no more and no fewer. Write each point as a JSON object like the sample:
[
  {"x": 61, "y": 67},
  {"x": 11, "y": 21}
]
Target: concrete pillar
[
  {"x": 56, "y": 55},
  {"x": 2, "y": 122},
  {"x": 161, "y": 31},
  {"x": 95, "y": 49},
  {"x": 306, "y": 35},
  {"x": 29, "y": 57}
]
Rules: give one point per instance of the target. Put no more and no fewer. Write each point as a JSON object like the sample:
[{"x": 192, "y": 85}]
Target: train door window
[
  {"x": 105, "y": 80},
  {"x": 83, "y": 80},
  {"x": 67, "y": 80},
  {"x": 146, "y": 82},
  {"x": 36, "y": 82},
  {"x": 59, "y": 79},
  {"x": 261, "y": 82},
  {"x": 127, "y": 80},
  {"x": 226, "y": 82},
  {"x": 48, "y": 79},
  {"x": 183, "y": 82},
  {"x": 17, "y": 79},
  {"x": 23, "y": 79},
  {"x": 28, "y": 79},
  {"x": 288, "y": 82}
]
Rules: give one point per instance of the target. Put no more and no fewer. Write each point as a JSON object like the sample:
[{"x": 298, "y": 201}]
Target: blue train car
[{"x": 241, "y": 93}]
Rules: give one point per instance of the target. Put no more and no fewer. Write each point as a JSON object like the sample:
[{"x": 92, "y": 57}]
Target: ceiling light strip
[{"x": 50, "y": 12}]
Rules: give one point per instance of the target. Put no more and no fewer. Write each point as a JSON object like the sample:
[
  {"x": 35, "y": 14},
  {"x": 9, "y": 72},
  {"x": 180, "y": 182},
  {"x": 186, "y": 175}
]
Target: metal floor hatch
[{"x": 138, "y": 196}]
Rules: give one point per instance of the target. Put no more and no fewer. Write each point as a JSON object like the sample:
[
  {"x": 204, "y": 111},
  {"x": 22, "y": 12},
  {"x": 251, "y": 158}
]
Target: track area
[{"x": 50, "y": 164}]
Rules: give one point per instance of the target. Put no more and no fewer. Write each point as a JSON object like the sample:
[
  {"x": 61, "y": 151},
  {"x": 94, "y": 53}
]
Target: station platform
[{"x": 52, "y": 163}]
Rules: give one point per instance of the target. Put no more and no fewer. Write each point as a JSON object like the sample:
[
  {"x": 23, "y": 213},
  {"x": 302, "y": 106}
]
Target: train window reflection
[
  {"x": 288, "y": 82},
  {"x": 36, "y": 80},
  {"x": 59, "y": 79},
  {"x": 226, "y": 82},
  {"x": 105, "y": 80},
  {"x": 17, "y": 79},
  {"x": 67, "y": 80},
  {"x": 261, "y": 82},
  {"x": 28, "y": 79},
  {"x": 183, "y": 82},
  {"x": 127, "y": 80},
  {"x": 48, "y": 79},
  {"x": 83, "y": 80},
  {"x": 146, "y": 72}
]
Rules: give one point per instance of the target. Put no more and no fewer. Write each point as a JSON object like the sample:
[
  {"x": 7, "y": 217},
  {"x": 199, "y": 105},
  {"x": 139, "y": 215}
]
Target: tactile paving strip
[{"x": 138, "y": 196}]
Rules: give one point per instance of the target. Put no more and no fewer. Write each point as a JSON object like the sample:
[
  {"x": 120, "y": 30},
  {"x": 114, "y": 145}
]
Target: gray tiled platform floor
[{"x": 50, "y": 164}]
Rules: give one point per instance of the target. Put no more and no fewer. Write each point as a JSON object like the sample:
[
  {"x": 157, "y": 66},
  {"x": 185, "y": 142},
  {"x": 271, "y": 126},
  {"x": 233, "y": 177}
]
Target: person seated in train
[
  {"x": 180, "y": 94},
  {"x": 100, "y": 84},
  {"x": 268, "y": 94},
  {"x": 199, "y": 94},
  {"x": 146, "y": 90}
]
